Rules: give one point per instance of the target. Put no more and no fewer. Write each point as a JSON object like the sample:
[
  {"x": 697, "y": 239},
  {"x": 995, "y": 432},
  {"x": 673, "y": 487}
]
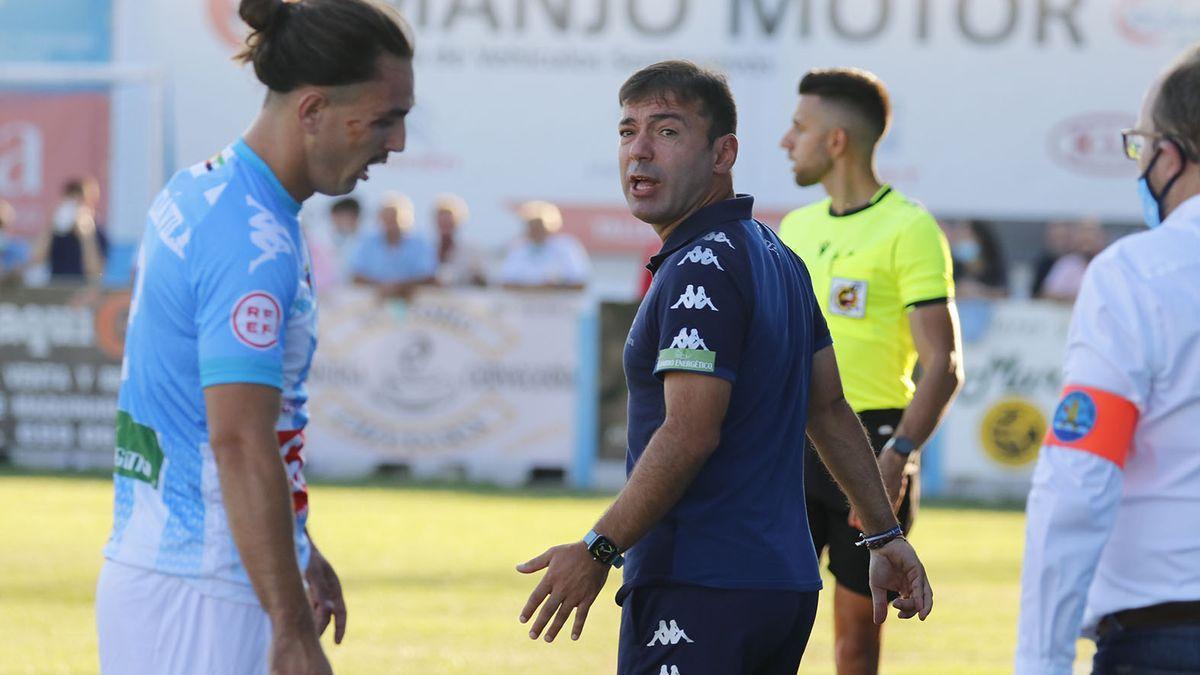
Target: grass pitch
[{"x": 429, "y": 579}]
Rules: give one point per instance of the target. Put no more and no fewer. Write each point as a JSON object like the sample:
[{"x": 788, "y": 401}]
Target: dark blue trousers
[
  {"x": 690, "y": 630},
  {"x": 1170, "y": 650}
]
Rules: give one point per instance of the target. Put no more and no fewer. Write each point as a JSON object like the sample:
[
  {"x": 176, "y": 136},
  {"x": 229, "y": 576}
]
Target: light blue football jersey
[{"x": 223, "y": 294}]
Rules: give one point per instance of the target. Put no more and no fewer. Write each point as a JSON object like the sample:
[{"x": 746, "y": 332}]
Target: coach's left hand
[
  {"x": 573, "y": 580},
  {"x": 325, "y": 596}
]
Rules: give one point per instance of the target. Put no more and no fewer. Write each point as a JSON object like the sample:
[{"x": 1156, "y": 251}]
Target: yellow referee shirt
[{"x": 869, "y": 268}]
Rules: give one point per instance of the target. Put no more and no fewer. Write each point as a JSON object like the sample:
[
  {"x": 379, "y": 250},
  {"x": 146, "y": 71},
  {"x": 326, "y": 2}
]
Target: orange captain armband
[{"x": 1095, "y": 421}]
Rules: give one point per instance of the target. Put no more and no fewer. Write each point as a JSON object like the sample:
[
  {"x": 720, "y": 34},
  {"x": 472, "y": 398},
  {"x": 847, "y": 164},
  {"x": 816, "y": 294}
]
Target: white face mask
[{"x": 66, "y": 216}]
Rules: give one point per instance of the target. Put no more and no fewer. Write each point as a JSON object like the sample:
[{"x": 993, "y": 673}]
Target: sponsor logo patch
[
  {"x": 138, "y": 454},
  {"x": 1075, "y": 417},
  {"x": 848, "y": 297},
  {"x": 256, "y": 320},
  {"x": 687, "y": 352}
]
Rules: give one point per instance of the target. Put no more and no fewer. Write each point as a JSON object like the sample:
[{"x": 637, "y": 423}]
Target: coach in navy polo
[{"x": 729, "y": 365}]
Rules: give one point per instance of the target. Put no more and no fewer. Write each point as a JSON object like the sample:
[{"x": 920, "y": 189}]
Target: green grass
[{"x": 431, "y": 588}]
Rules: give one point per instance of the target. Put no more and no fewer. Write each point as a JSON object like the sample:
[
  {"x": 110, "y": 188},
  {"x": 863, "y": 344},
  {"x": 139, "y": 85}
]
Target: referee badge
[{"x": 848, "y": 297}]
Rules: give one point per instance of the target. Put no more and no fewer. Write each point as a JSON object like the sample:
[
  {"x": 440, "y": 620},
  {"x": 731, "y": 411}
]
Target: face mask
[
  {"x": 1152, "y": 207},
  {"x": 966, "y": 252},
  {"x": 65, "y": 216}
]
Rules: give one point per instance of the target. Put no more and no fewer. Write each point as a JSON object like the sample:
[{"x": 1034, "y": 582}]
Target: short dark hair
[
  {"x": 320, "y": 42},
  {"x": 857, "y": 89},
  {"x": 1174, "y": 109},
  {"x": 346, "y": 205},
  {"x": 73, "y": 188},
  {"x": 686, "y": 82}
]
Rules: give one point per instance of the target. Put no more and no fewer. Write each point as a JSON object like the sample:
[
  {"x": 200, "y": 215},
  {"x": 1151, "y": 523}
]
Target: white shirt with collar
[{"x": 1100, "y": 539}]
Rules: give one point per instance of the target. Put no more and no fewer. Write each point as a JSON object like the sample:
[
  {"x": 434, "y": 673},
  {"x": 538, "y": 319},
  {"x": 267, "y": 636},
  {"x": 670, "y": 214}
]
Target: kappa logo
[
  {"x": 686, "y": 340},
  {"x": 702, "y": 255},
  {"x": 664, "y": 671},
  {"x": 668, "y": 634},
  {"x": 268, "y": 235},
  {"x": 694, "y": 297},
  {"x": 720, "y": 238}
]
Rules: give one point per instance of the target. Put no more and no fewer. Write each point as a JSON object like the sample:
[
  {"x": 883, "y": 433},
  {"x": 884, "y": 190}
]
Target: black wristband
[{"x": 880, "y": 540}]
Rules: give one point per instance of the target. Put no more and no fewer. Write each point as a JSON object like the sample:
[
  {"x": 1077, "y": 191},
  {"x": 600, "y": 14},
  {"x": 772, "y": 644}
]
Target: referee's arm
[{"x": 936, "y": 336}]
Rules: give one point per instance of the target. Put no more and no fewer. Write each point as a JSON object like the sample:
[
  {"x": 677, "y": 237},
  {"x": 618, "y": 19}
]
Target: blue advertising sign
[{"x": 55, "y": 30}]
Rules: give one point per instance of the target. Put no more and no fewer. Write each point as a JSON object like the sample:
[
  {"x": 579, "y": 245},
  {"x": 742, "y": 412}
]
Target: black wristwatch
[
  {"x": 900, "y": 445},
  {"x": 603, "y": 550}
]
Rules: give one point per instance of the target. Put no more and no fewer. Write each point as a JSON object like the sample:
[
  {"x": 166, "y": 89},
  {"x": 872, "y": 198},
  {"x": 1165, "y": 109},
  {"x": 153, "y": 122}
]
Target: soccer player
[
  {"x": 729, "y": 365},
  {"x": 883, "y": 278},
  {"x": 208, "y": 560},
  {"x": 1112, "y": 545}
]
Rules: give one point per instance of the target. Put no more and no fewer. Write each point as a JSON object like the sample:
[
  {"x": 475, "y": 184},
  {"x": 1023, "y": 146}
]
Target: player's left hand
[
  {"x": 573, "y": 580},
  {"x": 325, "y": 596}
]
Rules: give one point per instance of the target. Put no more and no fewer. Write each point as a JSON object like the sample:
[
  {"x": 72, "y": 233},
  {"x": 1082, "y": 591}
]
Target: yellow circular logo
[{"x": 1012, "y": 432}]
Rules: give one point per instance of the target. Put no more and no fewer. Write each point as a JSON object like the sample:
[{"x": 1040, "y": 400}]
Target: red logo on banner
[
  {"x": 1091, "y": 144},
  {"x": 47, "y": 139},
  {"x": 256, "y": 320},
  {"x": 223, "y": 15}
]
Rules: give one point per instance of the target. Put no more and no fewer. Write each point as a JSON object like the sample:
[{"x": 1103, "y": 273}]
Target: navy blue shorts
[{"x": 690, "y": 630}]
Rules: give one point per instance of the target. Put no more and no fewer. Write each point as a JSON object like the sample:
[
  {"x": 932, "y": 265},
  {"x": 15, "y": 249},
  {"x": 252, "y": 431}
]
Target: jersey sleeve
[
  {"x": 244, "y": 288},
  {"x": 924, "y": 270},
  {"x": 1110, "y": 345},
  {"x": 702, "y": 315}
]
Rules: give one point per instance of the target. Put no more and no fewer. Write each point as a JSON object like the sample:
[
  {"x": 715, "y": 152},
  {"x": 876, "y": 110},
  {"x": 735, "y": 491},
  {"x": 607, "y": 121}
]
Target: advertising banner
[
  {"x": 456, "y": 384},
  {"x": 47, "y": 138},
  {"x": 1003, "y": 109},
  {"x": 990, "y": 440},
  {"x": 60, "y": 370}
]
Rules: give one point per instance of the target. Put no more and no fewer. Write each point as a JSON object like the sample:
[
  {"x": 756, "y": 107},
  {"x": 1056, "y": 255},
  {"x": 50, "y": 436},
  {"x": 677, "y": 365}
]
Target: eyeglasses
[{"x": 1135, "y": 143}]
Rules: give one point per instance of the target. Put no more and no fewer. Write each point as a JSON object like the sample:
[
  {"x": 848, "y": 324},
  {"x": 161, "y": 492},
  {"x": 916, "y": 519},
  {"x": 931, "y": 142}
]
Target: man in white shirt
[
  {"x": 544, "y": 257},
  {"x": 459, "y": 263},
  {"x": 1112, "y": 546}
]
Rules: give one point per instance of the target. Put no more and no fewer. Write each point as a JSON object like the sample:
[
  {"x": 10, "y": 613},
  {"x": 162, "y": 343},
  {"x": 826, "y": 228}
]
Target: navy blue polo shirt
[{"x": 729, "y": 300}]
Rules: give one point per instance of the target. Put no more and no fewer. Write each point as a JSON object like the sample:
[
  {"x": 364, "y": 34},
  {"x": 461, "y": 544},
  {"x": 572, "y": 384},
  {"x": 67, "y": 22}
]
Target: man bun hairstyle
[
  {"x": 686, "y": 82},
  {"x": 857, "y": 89},
  {"x": 1174, "y": 111},
  {"x": 320, "y": 42}
]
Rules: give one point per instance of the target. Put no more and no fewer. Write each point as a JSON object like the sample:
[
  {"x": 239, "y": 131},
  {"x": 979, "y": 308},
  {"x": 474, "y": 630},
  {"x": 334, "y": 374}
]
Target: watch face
[{"x": 605, "y": 550}]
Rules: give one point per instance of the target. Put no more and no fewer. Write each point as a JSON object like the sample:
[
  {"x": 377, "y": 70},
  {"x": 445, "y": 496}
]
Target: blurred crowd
[
  {"x": 389, "y": 249},
  {"x": 1053, "y": 271},
  {"x": 72, "y": 248},
  {"x": 391, "y": 254}
]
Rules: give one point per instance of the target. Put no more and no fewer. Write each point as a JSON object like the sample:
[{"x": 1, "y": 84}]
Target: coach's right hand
[
  {"x": 295, "y": 650},
  {"x": 895, "y": 567}
]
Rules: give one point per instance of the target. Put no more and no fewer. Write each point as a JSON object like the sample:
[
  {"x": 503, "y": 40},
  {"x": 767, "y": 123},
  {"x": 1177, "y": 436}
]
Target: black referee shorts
[{"x": 828, "y": 508}]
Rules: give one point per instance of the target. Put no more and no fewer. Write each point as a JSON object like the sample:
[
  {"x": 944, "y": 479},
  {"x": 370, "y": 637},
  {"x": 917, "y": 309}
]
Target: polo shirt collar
[{"x": 741, "y": 207}]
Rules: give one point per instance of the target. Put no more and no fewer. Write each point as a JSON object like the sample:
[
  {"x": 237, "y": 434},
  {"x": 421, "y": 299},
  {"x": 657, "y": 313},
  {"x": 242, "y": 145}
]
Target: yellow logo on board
[{"x": 1012, "y": 432}]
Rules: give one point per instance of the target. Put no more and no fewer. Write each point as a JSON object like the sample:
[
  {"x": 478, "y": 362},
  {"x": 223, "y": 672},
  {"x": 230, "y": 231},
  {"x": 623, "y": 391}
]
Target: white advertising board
[
  {"x": 478, "y": 385},
  {"x": 1004, "y": 109},
  {"x": 989, "y": 442}
]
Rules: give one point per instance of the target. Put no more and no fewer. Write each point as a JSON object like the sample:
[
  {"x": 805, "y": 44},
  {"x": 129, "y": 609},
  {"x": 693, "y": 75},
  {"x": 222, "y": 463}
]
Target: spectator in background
[
  {"x": 459, "y": 263},
  {"x": 1056, "y": 244},
  {"x": 1066, "y": 276},
  {"x": 544, "y": 257},
  {"x": 332, "y": 246},
  {"x": 979, "y": 267},
  {"x": 14, "y": 251},
  {"x": 75, "y": 249},
  {"x": 394, "y": 260}
]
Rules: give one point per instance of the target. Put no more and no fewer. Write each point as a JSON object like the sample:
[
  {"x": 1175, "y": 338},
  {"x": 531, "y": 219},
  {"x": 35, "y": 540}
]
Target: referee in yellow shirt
[{"x": 881, "y": 270}]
